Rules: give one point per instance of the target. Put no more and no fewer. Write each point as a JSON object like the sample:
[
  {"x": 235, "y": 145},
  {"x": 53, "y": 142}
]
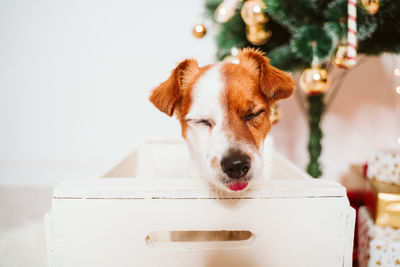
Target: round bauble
[
  {"x": 253, "y": 12},
  {"x": 340, "y": 59},
  {"x": 314, "y": 81},
  {"x": 199, "y": 30},
  {"x": 226, "y": 10},
  {"x": 372, "y": 6}
]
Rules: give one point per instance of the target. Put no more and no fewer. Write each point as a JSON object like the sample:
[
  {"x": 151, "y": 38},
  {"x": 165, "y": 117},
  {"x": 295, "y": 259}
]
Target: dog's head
[{"x": 224, "y": 113}]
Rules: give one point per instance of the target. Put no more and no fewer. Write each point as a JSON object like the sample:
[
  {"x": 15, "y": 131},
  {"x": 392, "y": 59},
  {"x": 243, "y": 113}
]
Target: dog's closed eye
[
  {"x": 205, "y": 122},
  {"x": 251, "y": 116}
]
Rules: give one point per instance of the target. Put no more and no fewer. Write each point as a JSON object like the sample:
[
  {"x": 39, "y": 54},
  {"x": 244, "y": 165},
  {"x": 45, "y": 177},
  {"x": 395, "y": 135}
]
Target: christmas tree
[{"x": 297, "y": 34}]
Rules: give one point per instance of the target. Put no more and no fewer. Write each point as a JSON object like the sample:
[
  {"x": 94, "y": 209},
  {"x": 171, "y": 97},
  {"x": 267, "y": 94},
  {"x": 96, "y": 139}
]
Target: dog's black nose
[{"x": 236, "y": 165}]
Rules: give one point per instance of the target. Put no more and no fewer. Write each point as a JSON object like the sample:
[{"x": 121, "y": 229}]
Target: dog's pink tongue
[{"x": 237, "y": 186}]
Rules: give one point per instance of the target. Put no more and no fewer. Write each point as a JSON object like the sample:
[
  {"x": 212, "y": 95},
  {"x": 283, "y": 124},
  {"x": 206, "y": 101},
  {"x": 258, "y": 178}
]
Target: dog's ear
[
  {"x": 275, "y": 84},
  {"x": 167, "y": 94}
]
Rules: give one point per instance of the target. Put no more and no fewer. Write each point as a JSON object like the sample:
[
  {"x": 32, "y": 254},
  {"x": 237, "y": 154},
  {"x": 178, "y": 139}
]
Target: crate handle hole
[{"x": 200, "y": 239}]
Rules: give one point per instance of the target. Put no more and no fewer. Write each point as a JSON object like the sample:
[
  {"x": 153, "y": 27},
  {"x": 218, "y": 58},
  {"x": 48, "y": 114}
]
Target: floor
[
  {"x": 22, "y": 241},
  {"x": 25, "y": 198}
]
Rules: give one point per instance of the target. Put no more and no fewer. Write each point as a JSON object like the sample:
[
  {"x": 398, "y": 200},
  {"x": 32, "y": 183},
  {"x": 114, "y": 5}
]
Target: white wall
[{"x": 75, "y": 77}]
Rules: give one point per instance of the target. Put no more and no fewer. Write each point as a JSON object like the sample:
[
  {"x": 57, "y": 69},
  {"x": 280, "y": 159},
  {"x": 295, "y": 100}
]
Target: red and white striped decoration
[{"x": 351, "y": 32}]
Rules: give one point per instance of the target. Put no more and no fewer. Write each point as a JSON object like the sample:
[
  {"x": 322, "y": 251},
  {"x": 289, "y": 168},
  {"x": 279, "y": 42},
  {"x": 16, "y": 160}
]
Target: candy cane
[{"x": 351, "y": 32}]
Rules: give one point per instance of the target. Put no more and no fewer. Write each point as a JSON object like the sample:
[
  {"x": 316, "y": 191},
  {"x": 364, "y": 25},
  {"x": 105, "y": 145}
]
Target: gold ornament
[
  {"x": 372, "y": 6},
  {"x": 257, "y": 35},
  {"x": 199, "y": 30},
  {"x": 340, "y": 58},
  {"x": 314, "y": 80},
  {"x": 253, "y": 12},
  {"x": 276, "y": 114},
  {"x": 253, "y": 15},
  {"x": 225, "y": 10}
]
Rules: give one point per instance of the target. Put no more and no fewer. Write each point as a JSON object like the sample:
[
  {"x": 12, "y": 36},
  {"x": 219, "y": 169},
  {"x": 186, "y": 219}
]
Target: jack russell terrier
[{"x": 224, "y": 112}]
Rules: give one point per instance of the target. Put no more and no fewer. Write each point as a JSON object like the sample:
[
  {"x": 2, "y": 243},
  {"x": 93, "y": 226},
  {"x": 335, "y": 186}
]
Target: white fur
[{"x": 205, "y": 143}]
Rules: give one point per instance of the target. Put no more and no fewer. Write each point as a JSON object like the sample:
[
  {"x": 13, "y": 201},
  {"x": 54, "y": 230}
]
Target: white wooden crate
[{"x": 295, "y": 220}]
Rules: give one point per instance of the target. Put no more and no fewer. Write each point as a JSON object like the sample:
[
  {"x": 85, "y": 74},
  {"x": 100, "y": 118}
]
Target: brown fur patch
[
  {"x": 275, "y": 84},
  {"x": 168, "y": 93},
  {"x": 175, "y": 94},
  {"x": 242, "y": 97},
  {"x": 251, "y": 86}
]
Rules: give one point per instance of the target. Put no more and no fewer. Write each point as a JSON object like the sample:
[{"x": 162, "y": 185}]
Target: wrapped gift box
[
  {"x": 384, "y": 166},
  {"x": 289, "y": 220},
  {"x": 383, "y": 200},
  {"x": 377, "y": 245}
]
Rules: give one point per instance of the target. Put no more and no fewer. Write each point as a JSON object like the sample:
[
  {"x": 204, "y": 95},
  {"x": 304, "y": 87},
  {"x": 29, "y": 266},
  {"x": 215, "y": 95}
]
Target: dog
[{"x": 224, "y": 111}]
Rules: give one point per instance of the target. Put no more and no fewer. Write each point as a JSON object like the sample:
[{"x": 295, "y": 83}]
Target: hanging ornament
[
  {"x": 372, "y": 6},
  {"x": 226, "y": 10},
  {"x": 351, "y": 33},
  {"x": 340, "y": 58},
  {"x": 199, "y": 30},
  {"x": 276, "y": 114},
  {"x": 253, "y": 14},
  {"x": 314, "y": 80},
  {"x": 346, "y": 52}
]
